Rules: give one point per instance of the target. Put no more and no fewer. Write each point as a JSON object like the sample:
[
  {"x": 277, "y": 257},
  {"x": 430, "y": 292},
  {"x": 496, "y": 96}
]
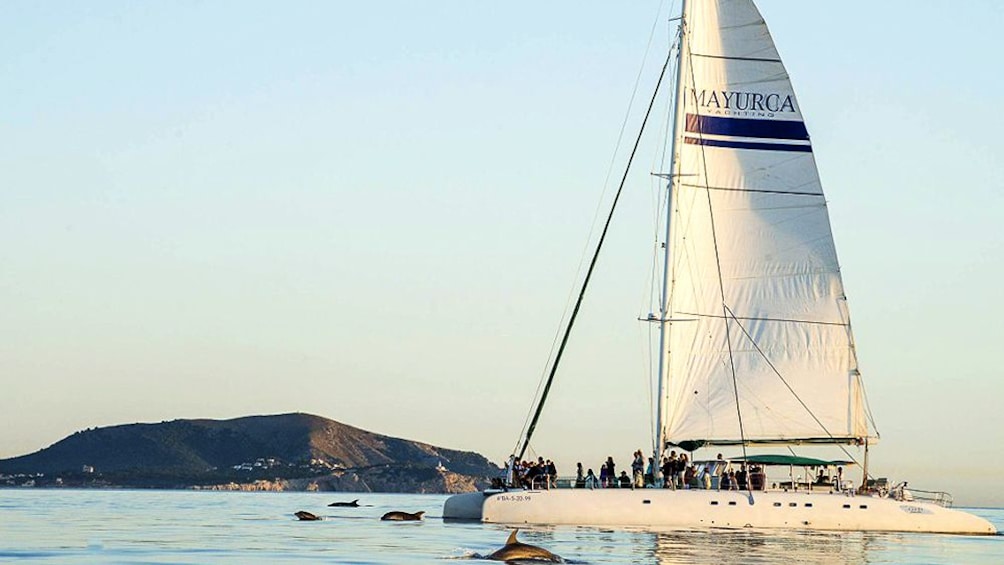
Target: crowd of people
[
  {"x": 531, "y": 474},
  {"x": 674, "y": 472},
  {"x": 718, "y": 474}
]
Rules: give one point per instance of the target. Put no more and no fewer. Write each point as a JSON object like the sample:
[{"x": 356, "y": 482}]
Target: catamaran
[{"x": 755, "y": 341}]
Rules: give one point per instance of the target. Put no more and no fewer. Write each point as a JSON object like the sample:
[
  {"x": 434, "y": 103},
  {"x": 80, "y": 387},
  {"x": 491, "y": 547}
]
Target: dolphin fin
[{"x": 512, "y": 538}]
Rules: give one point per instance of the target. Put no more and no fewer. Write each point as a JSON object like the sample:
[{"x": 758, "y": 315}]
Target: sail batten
[{"x": 753, "y": 259}]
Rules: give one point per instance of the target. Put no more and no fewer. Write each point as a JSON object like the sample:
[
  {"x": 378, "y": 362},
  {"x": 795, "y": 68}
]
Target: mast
[
  {"x": 664, "y": 326},
  {"x": 864, "y": 471}
]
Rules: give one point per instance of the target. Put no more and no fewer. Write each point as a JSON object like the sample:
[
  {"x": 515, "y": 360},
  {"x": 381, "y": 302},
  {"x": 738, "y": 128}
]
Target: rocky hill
[{"x": 287, "y": 451}]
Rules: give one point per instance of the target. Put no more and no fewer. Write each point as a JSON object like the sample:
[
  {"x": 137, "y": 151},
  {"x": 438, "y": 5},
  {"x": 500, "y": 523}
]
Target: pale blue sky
[{"x": 374, "y": 212}]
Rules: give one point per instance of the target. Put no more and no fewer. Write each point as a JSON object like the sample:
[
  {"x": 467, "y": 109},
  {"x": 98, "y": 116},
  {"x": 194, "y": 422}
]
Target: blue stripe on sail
[
  {"x": 743, "y": 127},
  {"x": 748, "y": 145}
]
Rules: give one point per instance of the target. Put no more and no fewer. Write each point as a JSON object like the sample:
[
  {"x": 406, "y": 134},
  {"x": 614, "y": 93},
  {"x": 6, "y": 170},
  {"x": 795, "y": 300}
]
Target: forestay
[{"x": 756, "y": 300}]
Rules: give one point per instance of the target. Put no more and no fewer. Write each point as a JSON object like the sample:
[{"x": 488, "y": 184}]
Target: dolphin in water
[
  {"x": 353, "y": 504},
  {"x": 516, "y": 550},
  {"x": 306, "y": 516},
  {"x": 402, "y": 516}
]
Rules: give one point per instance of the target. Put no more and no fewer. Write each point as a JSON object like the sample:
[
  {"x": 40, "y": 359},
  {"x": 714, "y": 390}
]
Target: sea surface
[{"x": 142, "y": 526}]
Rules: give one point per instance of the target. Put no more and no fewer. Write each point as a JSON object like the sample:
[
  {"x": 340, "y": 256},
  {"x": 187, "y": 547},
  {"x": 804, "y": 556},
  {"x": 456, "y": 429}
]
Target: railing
[
  {"x": 572, "y": 482},
  {"x": 540, "y": 483},
  {"x": 900, "y": 492}
]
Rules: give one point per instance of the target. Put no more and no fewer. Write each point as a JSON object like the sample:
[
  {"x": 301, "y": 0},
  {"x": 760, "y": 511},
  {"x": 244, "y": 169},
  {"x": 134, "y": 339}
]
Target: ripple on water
[{"x": 81, "y": 526}]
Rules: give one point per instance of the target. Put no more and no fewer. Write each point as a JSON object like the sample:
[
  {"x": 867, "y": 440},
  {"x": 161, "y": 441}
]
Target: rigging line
[
  {"x": 592, "y": 266},
  {"x": 648, "y": 371},
  {"x": 651, "y": 297},
  {"x": 718, "y": 264},
  {"x": 624, "y": 123},
  {"x": 655, "y": 296},
  {"x": 540, "y": 383},
  {"x": 596, "y": 214},
  {"x": 661, "y": 202},
  {"x": 788, "y": 386},
  {"x": 753, "y": 190},
  {"x": 761, "y": 60},
  {"x": 750, "y": 319}
]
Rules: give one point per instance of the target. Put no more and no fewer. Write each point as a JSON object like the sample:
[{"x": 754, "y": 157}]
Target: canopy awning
[{"x": 789, "y": 460}]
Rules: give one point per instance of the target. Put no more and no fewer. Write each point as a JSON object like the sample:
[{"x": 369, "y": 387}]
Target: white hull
[{"x": 662, "y": 508}]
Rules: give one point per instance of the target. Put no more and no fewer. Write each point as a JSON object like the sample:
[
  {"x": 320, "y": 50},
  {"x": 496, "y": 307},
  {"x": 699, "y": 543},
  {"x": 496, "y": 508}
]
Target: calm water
[{"x": 93, "y": 526}]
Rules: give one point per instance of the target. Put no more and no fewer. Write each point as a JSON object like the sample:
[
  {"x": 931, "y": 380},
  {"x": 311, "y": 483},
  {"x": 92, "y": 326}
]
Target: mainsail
[{"x": 755, "y": 300}]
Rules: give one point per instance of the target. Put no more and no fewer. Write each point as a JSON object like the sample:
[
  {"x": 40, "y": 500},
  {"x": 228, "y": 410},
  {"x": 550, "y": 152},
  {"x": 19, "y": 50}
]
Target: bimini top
[{"x": 788, "y": 460}]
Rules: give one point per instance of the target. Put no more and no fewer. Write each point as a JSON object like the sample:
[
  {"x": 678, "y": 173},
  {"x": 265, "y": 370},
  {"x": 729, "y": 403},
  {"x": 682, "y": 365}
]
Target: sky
[{"x": 376, "y": 212}]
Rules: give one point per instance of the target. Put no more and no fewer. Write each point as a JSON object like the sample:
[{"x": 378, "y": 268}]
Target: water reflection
[
  {"x": 758, "y": 546},
  {"x": 63, "y": 527}
]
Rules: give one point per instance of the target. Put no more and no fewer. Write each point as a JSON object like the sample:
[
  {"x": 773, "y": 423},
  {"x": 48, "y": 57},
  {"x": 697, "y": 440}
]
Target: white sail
[
  {"x": 753, "y": 310},
  {"x": 756, "y": 299}
]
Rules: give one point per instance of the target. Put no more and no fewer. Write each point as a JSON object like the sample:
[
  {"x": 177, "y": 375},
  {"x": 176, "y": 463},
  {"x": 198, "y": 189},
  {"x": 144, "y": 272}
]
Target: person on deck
[
  {"x": 637, "y": 469},
  {"x": 517, "y": 473},
  {"x": 727, "y": 481},
  {"x": 510, "y": 471},
  {"x": 720, "y": 469},
  {"x": 532, "y": 476},
  {"x": 591, "y": 480},
  {"x": 669, "y": 471},
  {"x": 839, "y": 483},
  {"x": 741, "y": 477},
  {"x": 757, "y": 478},
  {"x": 682, "y": 464}
]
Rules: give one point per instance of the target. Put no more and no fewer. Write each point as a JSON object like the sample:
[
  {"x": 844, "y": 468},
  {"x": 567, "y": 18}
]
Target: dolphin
[
  {"x": 402, "y": 516},
  {"x": 353, "y": 504},
  {"x": 514, "y": 550},
  {"x": 306, "y": 516}
]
